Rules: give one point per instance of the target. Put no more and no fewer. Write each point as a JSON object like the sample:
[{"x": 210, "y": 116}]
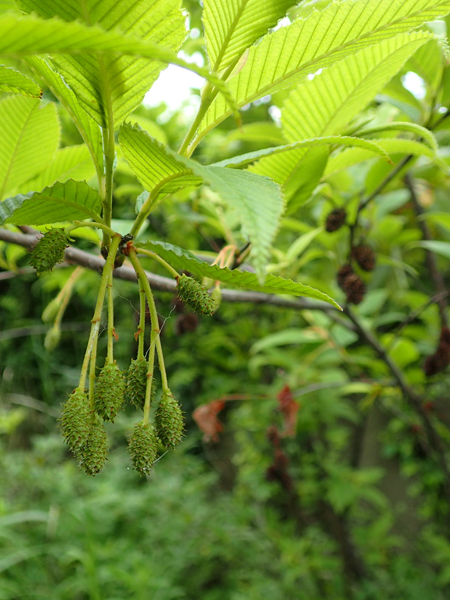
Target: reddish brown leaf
[
  {"x": 289, "y": 409},
  {"x": 206, "y": 418}
]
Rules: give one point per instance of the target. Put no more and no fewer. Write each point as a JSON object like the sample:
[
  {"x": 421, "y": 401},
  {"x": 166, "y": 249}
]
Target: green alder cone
[
  {"x": 143, "y": 447},
  {"x": 109, "y": 392},
  {"x": 169, "y": 421},
  {"x": 49, "y": 251},
  {"x": 94, "y": 452},
  {"x": 51, "y": 310},
  {"x": 136, "y": 382},
  {"x": 52, "y": 338},
  {"x": 195, "y": 296},
  {"x": 75, "y": 421}
]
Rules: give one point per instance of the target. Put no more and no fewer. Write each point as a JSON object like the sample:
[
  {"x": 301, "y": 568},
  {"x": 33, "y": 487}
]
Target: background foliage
[{"x": 322, "y": 483}]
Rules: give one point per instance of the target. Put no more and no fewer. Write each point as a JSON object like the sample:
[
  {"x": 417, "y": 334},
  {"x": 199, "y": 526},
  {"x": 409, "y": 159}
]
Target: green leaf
[
  {"x": 257, "y": 200},
  {"x": 60, "y": 202},
  {"x": 238, "y": 162},
  {"x": 20, "y": 37},
  {"x": 93, "y": 78},
  {"x": 231, "y": 26},
  {"x": 289, "y": 54},
  {"x": 442, "y": 248},
  {"x": 29, "y": 133},
  {"x": 14, "y": 82},
  {"x": 88, "y": 128},
  {"x": 353, "y": 156},
  {"x": 71, "y": 162},
  {"x": 422, "y": 132},
  {"x": 184, "y": 260},
  {"x": 286, "y": 337},
  {"x": 325, "y": 105}
]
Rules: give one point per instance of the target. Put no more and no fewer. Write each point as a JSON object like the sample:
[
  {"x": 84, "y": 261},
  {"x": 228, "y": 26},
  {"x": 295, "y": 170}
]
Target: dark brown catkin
[{"x": 335, "y": 220}]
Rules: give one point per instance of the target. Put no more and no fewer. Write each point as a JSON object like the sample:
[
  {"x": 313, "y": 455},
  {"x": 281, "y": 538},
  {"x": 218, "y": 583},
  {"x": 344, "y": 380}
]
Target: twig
[
  {"x": 436, "y": 275},
  {"x": 165, "y": 284},
  {"x": 434, "y": 444}
]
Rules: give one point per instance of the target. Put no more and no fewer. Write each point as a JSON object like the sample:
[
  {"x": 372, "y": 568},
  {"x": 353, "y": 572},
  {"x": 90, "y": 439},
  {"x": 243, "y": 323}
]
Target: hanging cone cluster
[
  {"x": 335, "y": 220},
  {"x": 136, "y": 383},
  {"x": 195, "y": 296},
  {"x": 353, "y": 286},
  {"x": 365, "y": 257},
  {"x": 109, "y": 392},
  {"x": 143, "y": 447},
  {"x": 49, "y": 250},
  {"x": 439, "y": 361},
  {"x": 169, "y": 421},
  {"x": 94, "y": 453},
  {"x": 75, "y": 421}
]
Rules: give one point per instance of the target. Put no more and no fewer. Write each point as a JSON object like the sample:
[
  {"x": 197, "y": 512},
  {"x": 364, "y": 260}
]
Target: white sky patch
[
  {"x": 415, "y": 84},
  {"x": 174, "y": 87}
]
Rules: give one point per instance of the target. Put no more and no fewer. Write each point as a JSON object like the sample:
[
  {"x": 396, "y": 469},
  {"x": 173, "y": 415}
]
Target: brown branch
[
  {"x": 433, "y": 441},
  {"x": 165, "y": 284},
  {"x": 435, "y": 274}
]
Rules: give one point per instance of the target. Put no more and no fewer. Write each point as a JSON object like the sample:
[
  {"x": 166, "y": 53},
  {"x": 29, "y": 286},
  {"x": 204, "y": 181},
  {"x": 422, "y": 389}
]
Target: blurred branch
[
  {"x": 433, "y": 441},
  {"x": 33, "y": 403},
  {"x": 436, "y": 275},
  {"x": 10, "y": 334}
]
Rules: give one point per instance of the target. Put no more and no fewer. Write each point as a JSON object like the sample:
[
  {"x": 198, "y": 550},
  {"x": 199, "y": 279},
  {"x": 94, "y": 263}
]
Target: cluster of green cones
[{"x": 83, "y": 426}]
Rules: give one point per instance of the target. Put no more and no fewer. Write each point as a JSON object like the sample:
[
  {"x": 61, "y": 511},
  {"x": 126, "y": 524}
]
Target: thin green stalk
[
  {"x": 108, "y": 148},
  {"x": 154, "y": 337},
  {"x": 65, "y": 293},
  {"x": 208, "y": 96},
  {"x": 79, "y": 224},
  {"x": 92, "y": 366},
  {"x": 144, "y": 212},
  {"x": 109, "y": 287},
  {"x": 162, "y": 366},
  {"x": 141, "y": 330},
  {"x": 95, "y": 322},
  {"x": 165, "y": 264}
]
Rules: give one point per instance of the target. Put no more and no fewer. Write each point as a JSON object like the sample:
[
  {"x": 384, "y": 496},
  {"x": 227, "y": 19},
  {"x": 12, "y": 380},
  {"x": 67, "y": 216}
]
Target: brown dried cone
[
  {"x": 136, "y": 382},
  {"x": 335, "y": 219},
  {"x": 353, "y": 286},
  {"x": 195, "y": 296},
  {"x": 143, "y": 447},
  {"x": 75, "y": 421},
  {"x": 109, "y": 392},
  {"x": 94, "y": 453},
  {"x": 365, "y": 257},
  {"x": 169, "y": 421},
  {"x": 49, "y": 250}
]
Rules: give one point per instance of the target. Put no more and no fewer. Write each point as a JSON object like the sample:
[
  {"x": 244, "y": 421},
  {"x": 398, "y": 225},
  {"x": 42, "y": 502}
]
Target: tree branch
[
  {"x": 436, "y": 275},
  {"x": 165, "y": 284}
]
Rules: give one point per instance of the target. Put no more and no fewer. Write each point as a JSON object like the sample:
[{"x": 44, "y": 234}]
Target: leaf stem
[
  {"x": 141, "y": 330},
  {"x": 79, "y": 224},
  {"x": 65, "y": 293},
  {"x": 165, "y": 264},
  {"x": 95, "y": 322},
  {"x": 109, "y": 288},
  {"x": 155, "y": 341}
]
